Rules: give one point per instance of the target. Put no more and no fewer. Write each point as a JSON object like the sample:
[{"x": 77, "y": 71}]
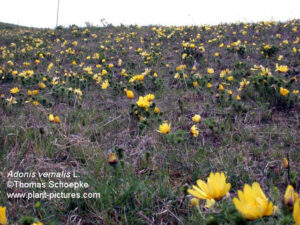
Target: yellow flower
[
  {"x": 56, "y": 119},
  {"x": 294, "y": 50},
  {"x": 143, "y": 102},
  {"x": 238, "y": 98},
  {"x": 104, "y": 72},
  {"x": 252, "y": 202},
  {"x": 215, "y": 187},
  {"x": 37, "y": 223},
  {"x": 202, "y": 49},
  {"x": 156, "y": 110},
  {"x": 11, "y": 100},
  {"x": 181, "y": 67},
  {"x": 243, "y": 84},
  {"x": 296, "y": 212},
  {"x": 208, "y": 85},
  {"x": 195, "y": 83},
  {"x": 210, "y": 70},
  {"x": 50, "y": 66},
  {"x": 129, "y": 94},
  {"x": 51, "y": 117},
  {"x": 112, "y": 158},
  {"x": 290, "y": 197},
  {"x": 3, "y": 219},
  {"x": 164, "y": 128},
  {"x": 36, "y": 103},
  {"x": 78, "y": 92},
  {"x": 176, "y": 76},
  {"x": 196, "y": 118},
  {"x": 105, "y": 84},
  {"x": 139, "y": 77},
  {"x": 120, "y": 62},
  {"x": 141, "y": 118},
  {"x": 221, "y": 87},
  {"x": 229, "y": 92},
  {"x": 123, "y": 72},
  {"x": 285, "y": 163},
  {"x": 230, "y": 78},
  {"x": 42, "y": 85},
  {"x": 35, "y": 92},
  {"x": 15, "y": 90},
  {"x": 210, "y": 203},
  {"x": 194, "y": 131},
  {"x": 194, "y": 202},
  {"x": 282, "y": 68},
  {"x": 295, "y": 92},
  {"x": 283, "y": 91},
  {"x": 294, "y": 79}
]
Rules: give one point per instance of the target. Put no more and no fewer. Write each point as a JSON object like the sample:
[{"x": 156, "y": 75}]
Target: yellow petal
[{"x": 296, "y": 212}]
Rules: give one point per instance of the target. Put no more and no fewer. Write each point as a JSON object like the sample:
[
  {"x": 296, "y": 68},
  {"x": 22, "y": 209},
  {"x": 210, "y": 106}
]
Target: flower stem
[
  {"x": 198, "y": 208},
  {"x": 263, "y": 222}
]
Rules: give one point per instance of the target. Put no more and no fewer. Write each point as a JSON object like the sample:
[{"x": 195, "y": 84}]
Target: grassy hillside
[{"x": 99, "y": 103}]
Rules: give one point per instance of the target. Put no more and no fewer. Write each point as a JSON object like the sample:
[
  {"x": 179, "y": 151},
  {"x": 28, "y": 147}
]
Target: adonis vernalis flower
[
  {"x": 3, "y": 219},
  {"x": 285, "y": 163},
  {"x": 296, "y": 212},
  {"x": 215, "y": 187},
  {"x": 112, "y": 158},
  {"x": 282, "y": 68},
  {"x": 252, "y": 203},
  {"x": 164, "y": 128},
  {"x": 51, "y": 118},
  {"x": 290, "y": 197},
  {"x": 129, "y": 94},
  {"x": 194, "y": 131},
  {"x": 42, "y": 85},
  {"x": 283, "y": 91},
  {"x": 156, "y": 110},
  {"x": 210, "y": 70},
  {"x": 105, "y": 84},
  {"x": 196, "y": 118},
  {"x": 11, "y": 100},
  {"x": 56, "y": 119},
  {"x": 15, "y": 90}
]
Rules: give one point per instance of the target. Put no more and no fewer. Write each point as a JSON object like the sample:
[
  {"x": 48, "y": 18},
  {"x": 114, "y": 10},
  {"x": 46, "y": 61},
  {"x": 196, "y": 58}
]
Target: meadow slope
[{"x": 117, "y": 106}]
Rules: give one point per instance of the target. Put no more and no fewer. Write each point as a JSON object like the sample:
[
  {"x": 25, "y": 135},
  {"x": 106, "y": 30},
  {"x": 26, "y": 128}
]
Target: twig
[
  {"x": 288, "y": 168},
  {"x": 172, "y": 214},
  {"x": 110, "y": 121},
  {"x": 145, "y": 217}
]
